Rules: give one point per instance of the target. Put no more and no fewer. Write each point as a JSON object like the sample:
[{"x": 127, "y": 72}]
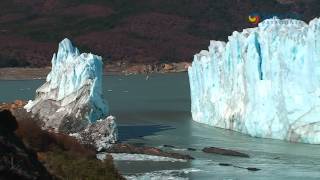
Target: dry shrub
[
  {"x": 64, "y": 156},
  {"x": 43, "y": 141},
  {"x": 33, "y": 137},
  {"x": 69, "y": 166}
]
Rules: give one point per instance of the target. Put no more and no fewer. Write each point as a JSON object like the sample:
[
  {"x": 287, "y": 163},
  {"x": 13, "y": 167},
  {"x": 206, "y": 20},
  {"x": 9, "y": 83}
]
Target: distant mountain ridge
[{"x": 141, "y": 31}]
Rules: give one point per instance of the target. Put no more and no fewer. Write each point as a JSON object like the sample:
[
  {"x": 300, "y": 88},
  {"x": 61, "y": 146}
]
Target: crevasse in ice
[{"x": 264, "y": 81}]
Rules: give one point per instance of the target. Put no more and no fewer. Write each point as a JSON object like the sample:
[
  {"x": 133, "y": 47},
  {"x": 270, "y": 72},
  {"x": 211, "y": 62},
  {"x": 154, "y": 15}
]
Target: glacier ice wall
[
  {"x": 264, "y": 81},
  {"x": 71, "y": 99}
]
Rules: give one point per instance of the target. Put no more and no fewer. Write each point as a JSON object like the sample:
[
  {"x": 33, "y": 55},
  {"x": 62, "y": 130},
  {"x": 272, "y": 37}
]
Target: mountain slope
[{"x": 144, "y": 31}]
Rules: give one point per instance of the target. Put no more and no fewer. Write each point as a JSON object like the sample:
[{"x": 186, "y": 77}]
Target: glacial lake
[{"x": 156, "y": 112}]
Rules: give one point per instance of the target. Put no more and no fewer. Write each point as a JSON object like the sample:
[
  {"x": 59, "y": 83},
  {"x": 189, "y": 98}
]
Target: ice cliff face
[
  {"x": 71, "y": 99},
  {"x": 264, "y": 81}
]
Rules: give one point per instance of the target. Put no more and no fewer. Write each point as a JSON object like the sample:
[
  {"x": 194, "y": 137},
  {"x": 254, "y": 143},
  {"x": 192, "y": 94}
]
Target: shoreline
[
  {"x": 27, "y": 73},
  {"x": 21, "y": 115}
]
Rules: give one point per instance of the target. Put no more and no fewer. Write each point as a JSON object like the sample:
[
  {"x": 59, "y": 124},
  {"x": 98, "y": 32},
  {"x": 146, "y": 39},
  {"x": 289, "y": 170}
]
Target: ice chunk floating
[
  {"x": 71, "y": 100},
  {"x": 264, "y": 81}
]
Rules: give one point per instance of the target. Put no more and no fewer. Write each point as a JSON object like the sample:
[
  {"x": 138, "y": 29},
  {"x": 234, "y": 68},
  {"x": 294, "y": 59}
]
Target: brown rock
[
  {"x": 168, "y": 67},
  {"x": 191, "y": 149},
  {"x": 168, "y": 146},
  {"x": 19, "y": 103},
  {"x": 253, "y": 169},
  {"x": 13, "y": 106},
  {"x": 224, "y": 152},
  {"x": 131, "y": 149}
]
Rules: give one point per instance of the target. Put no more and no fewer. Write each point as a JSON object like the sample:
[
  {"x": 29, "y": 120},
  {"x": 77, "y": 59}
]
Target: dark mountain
[{"x": 129, "y": 30}]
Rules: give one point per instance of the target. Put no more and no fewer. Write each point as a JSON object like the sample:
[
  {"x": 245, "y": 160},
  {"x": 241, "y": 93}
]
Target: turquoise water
[{"x": 155, "y": 112}]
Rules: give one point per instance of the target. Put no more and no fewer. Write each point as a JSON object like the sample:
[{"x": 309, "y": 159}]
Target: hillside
[{"x": 135, "y": 31}]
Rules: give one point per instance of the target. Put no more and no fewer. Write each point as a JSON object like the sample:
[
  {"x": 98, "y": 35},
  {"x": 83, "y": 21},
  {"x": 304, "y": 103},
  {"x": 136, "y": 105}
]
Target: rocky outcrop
[
  {"x": 16, "y": 161},
  {"x": 131, "y": 149},
  {"x": 13, "y": 106},
  {"x": 248, "y": 168},
  {"x": 100, "y": 134},
  {"x": 224, "y": 152}
]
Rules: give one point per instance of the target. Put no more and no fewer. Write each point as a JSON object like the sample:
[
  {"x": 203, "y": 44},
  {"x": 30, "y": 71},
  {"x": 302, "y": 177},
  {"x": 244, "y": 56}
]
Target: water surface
[{"x": 156, "y": 112}]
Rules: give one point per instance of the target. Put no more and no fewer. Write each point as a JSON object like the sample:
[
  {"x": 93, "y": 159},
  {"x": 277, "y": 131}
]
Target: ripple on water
[{"x": 164, "y": 174}]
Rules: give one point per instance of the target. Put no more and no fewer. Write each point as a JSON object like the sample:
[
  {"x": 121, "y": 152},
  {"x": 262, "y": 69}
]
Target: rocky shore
[
  {"x": 16, "y": 108},
  {"x": 117, "y": 68},
  {"x": 131, "y": 149},
  {"x": 27, "y": 124},
  {"x": 16, "y": 160},
  {"x": 29, "y": 152}
]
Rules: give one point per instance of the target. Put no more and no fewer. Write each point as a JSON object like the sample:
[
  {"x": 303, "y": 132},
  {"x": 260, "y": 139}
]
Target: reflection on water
[{"x": 155, "y": 112}]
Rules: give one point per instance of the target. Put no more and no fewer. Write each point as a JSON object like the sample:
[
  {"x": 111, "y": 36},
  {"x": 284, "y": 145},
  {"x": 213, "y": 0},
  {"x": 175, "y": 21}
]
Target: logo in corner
[{"x": 254, "y": 19}]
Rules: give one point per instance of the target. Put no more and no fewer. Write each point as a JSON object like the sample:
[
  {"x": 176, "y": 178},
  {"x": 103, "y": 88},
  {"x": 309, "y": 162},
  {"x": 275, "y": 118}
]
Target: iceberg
[
  {"x": 71, "y": 100},
  {"x": 264, "y": 82}
]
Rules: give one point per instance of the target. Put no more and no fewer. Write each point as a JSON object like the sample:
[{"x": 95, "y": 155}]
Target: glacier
[
  {"x": 71, "y": 99},
  {"x": 264, "y": 82}
]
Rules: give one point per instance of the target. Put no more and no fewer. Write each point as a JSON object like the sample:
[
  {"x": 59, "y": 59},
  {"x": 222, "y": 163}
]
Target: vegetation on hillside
[
  {"x": 63, "y": 156},
  {"x": 125, "y": 30},
  {"x": 27, "y": 152}
]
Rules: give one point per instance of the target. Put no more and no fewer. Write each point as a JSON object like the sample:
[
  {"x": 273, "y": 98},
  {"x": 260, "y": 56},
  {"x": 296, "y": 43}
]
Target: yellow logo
[{"x": 254, "y": 19}]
